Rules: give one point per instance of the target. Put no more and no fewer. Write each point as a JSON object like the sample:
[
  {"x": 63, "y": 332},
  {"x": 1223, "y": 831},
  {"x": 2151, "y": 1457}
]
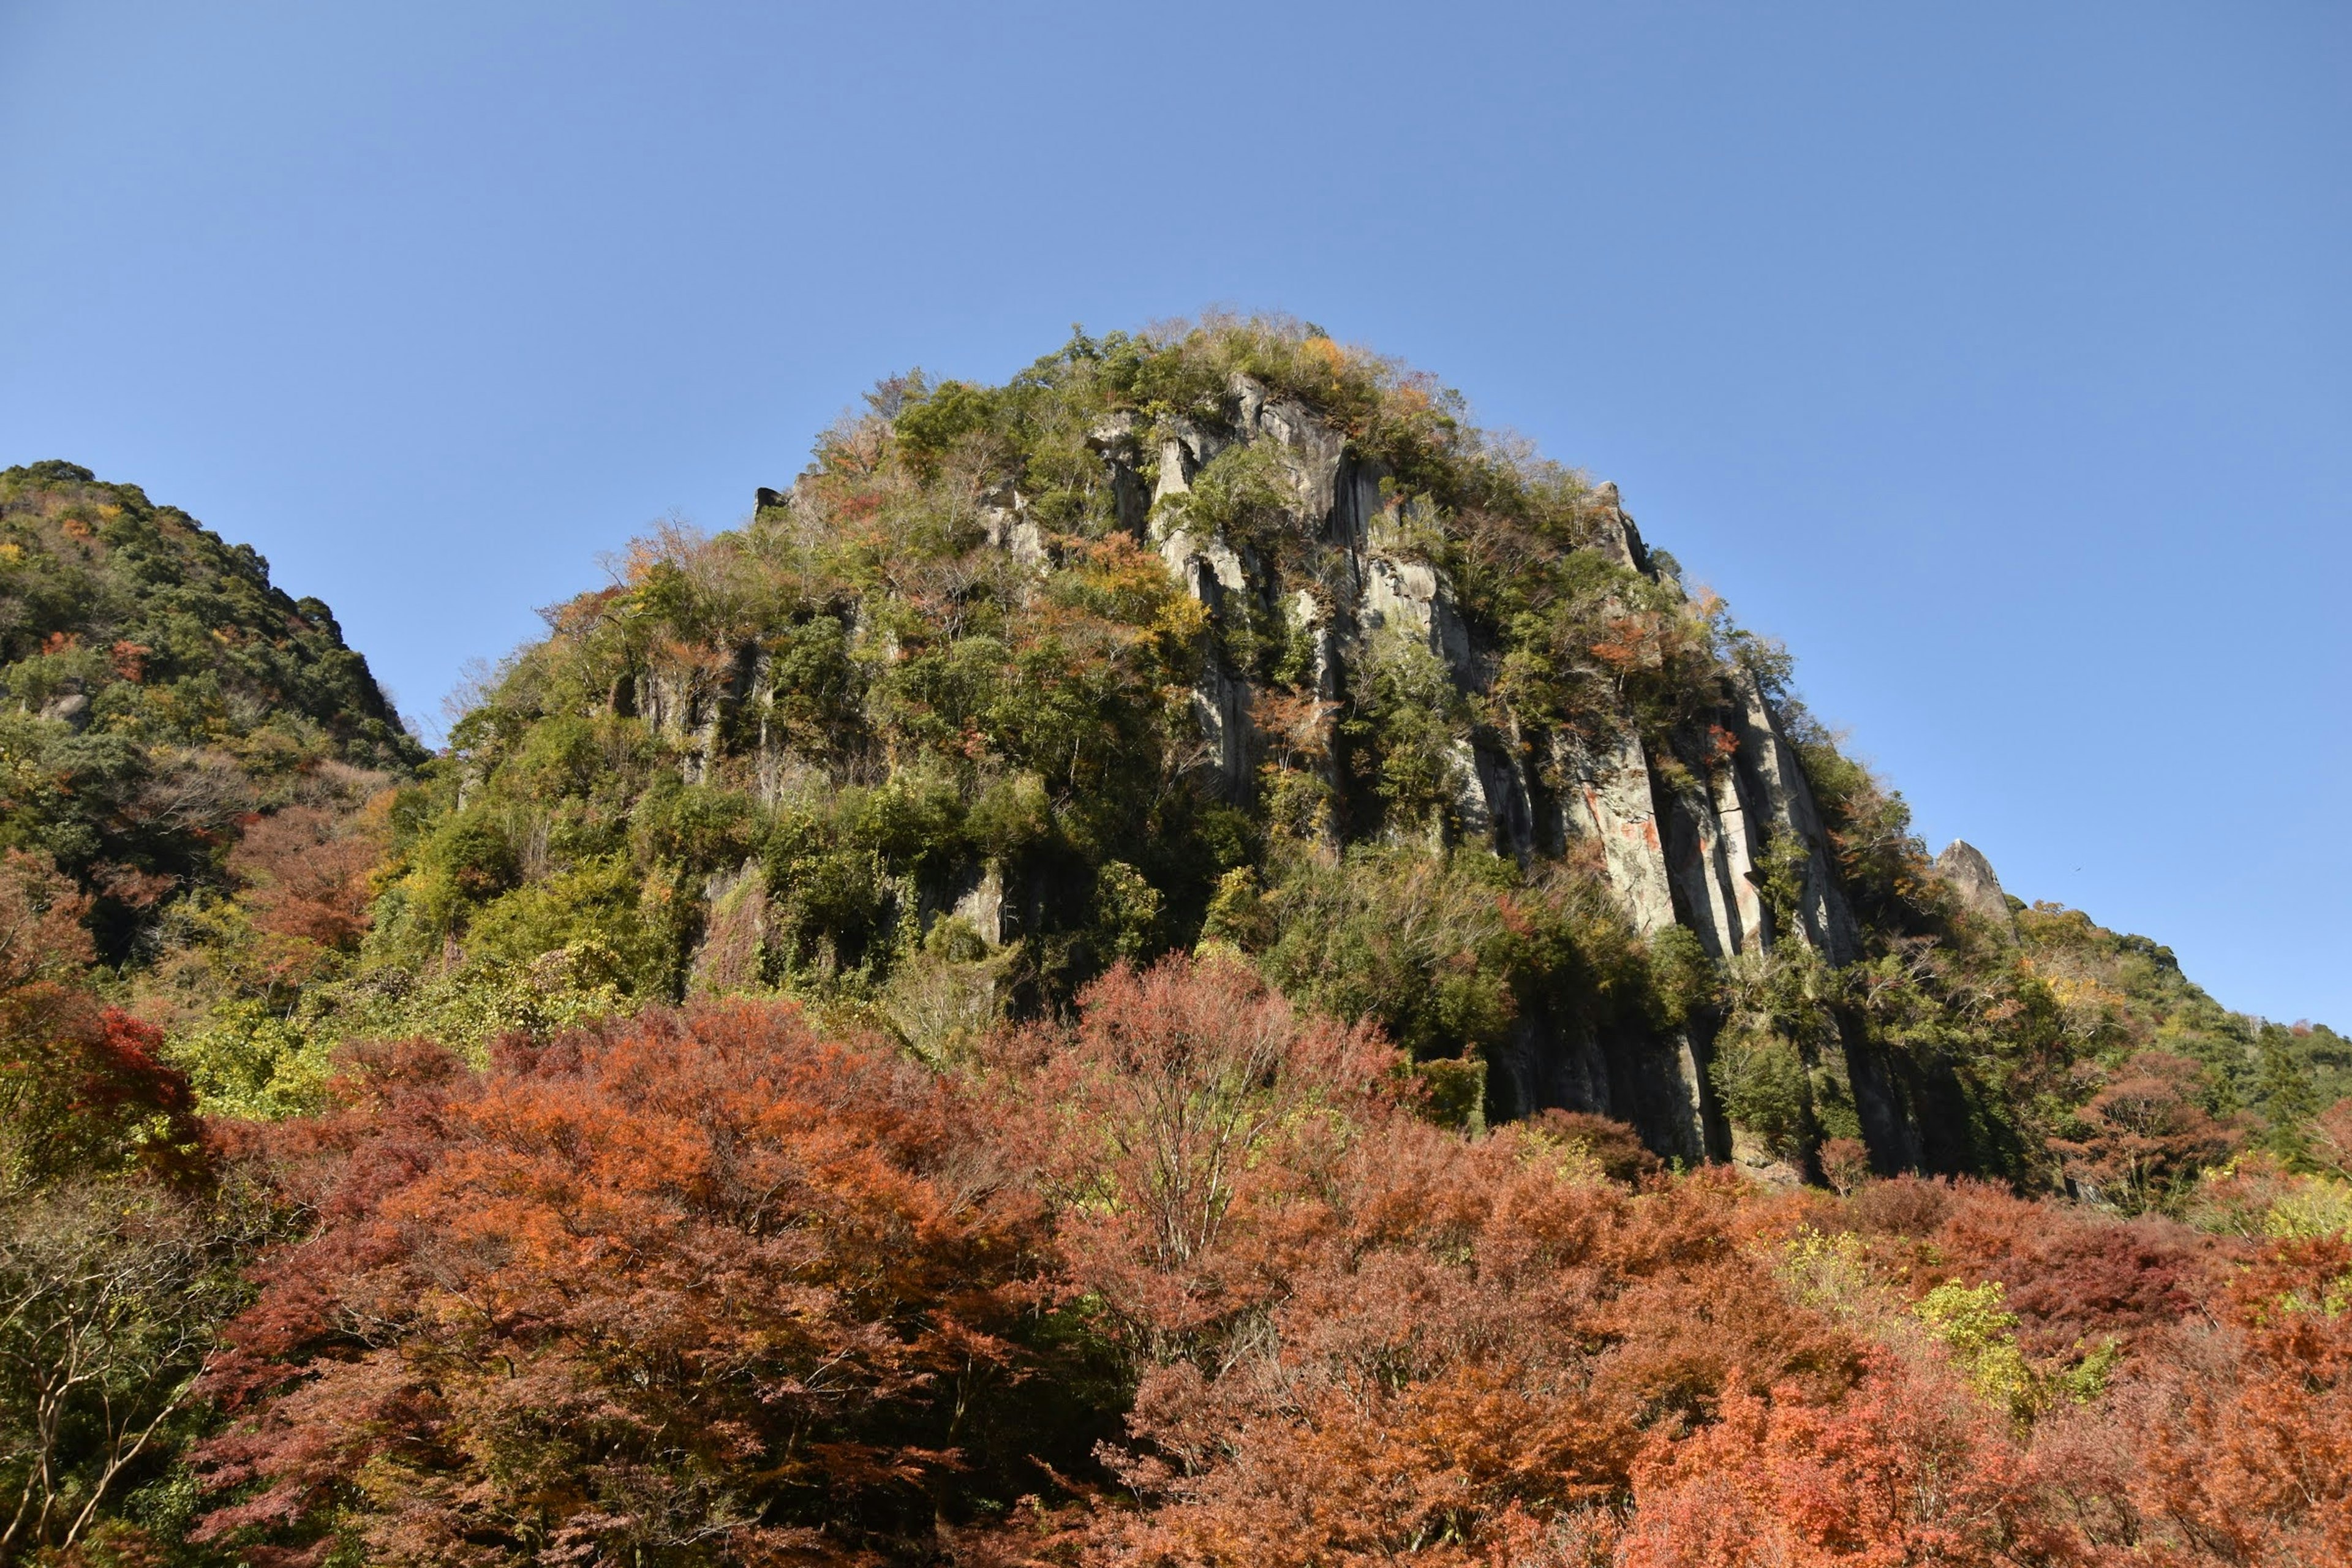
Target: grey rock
[
  {"x": 1711, "y": 851},
  {"x": 1969, "y": 875},
  {"x": 1615, "y": 536},
  {"x": 1311, "y": 450},
  {"x": 68, "y": 707},
  {"x": 1222, "y": 704},
  {"x": 982, "y": 904},
  {"x": 1011, "y": 529},
  {"x": 1823, "y": 919},
  {"x": 1510, "y": 802},
  {"x": 1610, "y": 799},
  {"x": 1691, "y": 853},
  {"x": 1413, "y": 598},
  {"x": 1115, "y": 442}
]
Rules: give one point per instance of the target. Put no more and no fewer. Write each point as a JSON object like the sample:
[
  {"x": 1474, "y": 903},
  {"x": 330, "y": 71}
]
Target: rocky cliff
[
  {"x": 1230, "y": 635},
  {"x": 1679, "y": 845},
  {"x": 1340, "y": 558}
]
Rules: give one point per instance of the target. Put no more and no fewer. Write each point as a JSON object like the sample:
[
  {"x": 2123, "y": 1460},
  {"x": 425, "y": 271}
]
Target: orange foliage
[
  {"x": 695, "y": 1279},
  {"x": 1186, "y": 1280},
  {"x": 2331, "y": 1138},
  {"x": 306, "y": 874},
  {"x": 41, "y": 934},
  {"x": 1906, "y": 1469},
  {"x": 2244, "y": 1428},
  {"x": 2145, "y": 1131}
]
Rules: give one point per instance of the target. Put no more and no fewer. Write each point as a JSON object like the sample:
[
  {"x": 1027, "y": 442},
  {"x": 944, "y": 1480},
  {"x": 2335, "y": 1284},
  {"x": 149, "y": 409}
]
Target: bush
[{"x": 1761, "y": 1083}]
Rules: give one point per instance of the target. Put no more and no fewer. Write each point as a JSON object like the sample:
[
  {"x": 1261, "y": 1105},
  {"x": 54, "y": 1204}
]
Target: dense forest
[{"x": 1186, "y": 959}]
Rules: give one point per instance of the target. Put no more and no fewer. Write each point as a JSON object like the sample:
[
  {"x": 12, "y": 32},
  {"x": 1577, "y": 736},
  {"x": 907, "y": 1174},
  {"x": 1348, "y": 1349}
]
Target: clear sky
[{"x": 1998, "y": 357}]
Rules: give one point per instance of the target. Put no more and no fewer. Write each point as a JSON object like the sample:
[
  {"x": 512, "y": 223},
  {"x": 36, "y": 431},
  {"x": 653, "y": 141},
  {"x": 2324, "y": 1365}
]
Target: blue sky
[{"x": 1998, "y": 357}]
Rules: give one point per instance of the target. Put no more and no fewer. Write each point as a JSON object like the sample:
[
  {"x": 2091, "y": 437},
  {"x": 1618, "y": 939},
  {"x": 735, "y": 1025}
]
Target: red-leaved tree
[
  {"x": 1357, "y": 1336},
  {"x": 2145, "y": 1132},
  {"x": 2243, "y": 1427},
  {"x": 1907, "y": 1470},
  {"x": 693, "y": 1287}
]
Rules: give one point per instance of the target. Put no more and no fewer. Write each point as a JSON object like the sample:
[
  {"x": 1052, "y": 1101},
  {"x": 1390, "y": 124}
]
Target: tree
[
  {"x": 82, "y": 1086},
  {"x": 41, "y": 934},
  {"x": 2245, "y": 1430},
  {"x": 1179, "y": 1093},
  {"x": 2331, "y": 1138},
  {"x": 695, "y": 1288},
  {"x": 1356, "y": 1335},
  {"x": 2145, "y": 1132},
  {"x": 306, "y": 874},
  {"x": 110, "y": 1295},
  {"x": 1905, "y": 1470},
  {"x": 82, "y": 1091}
]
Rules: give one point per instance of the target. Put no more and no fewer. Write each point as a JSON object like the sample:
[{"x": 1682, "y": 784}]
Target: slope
[{"x": 1230, "y": 637}]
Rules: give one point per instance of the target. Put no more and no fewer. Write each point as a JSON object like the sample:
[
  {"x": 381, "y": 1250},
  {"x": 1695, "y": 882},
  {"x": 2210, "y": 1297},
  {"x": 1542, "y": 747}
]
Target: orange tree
[{"x": 687, "y": 1289}]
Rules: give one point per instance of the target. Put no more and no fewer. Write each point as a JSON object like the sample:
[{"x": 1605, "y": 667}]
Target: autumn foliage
[
  {"x": 1158, "y": 1161},
  {"x": 306, "y": 870},
  {"x": 82, "y": 1084},
  {"x": 682, "y": 1289},
  {"x": 2144, "y": 1131},
  {"x": 1189, "y": 1277}
]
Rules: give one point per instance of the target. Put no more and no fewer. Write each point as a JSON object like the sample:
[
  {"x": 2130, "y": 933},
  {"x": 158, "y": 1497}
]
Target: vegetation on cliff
[
  {"x": 155, "y": 689},
  {"x": 1018, "y": 682}
]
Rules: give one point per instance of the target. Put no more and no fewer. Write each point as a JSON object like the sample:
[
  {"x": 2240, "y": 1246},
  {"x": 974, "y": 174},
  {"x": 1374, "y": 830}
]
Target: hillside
[
  {"x": 1229, "y": 640},
  {"x": 1237, "y": 638},
  {"x": 155, "y": 689}
]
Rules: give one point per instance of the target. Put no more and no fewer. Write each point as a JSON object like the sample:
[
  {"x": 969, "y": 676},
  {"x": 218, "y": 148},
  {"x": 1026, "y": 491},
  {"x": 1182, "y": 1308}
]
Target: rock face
[
  {"x": 1969, "y": 875},
  {"x": 1712, "y": 827},
  {"x": 1678, "y": 845}
]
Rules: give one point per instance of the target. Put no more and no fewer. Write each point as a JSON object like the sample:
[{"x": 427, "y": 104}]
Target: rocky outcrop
[
  {"x": 1115, "y": 442},
  {"x": 1610, "y": 800},
  {"x": 1011, "y": 529},
  {"x": 1614, "y": 533},
  {"x": 1764, "y": 755},
  {"x": 1969, "y": 875},
  {"x": 727, "y": 958},
  {"x": 71, "y": 708},
  {"x": 981, "y": 904},
  {"x": 1683, "y": 833},
  {"x": 686, "y": 705},
  {"x": 1712, "y": 827}
]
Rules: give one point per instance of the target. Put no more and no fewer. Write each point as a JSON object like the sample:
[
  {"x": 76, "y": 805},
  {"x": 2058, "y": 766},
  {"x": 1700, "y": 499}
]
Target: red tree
[
  {"x": 305, "y": 870},
  {"x": 2244, "y": 1428},
  {"x": 82, "y": 1086},
  {"x": 2145, "y": 1132},
  {"x": 698, "y": 1287},
  {"x": 1355, "y": 1336},
  {"x": 1907, "y": 1471}
]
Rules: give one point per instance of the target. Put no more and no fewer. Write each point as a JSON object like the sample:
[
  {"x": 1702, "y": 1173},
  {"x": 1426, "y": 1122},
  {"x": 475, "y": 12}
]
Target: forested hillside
[
  {"x": 1241, "y": 639},
  {"x": 154, "y": 691},
  {"x": 1186, "y": 959}
]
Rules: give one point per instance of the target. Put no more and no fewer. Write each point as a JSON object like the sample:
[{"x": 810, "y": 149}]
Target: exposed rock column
[{"x": 1965, "y": 871}]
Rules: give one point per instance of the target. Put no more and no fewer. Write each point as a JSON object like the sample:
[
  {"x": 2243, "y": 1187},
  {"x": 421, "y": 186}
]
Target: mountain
[
  {"x": 155, "y": 689},
  {"x": 1232, "y": 638},
  {"x": 1223, "y": 640}
]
